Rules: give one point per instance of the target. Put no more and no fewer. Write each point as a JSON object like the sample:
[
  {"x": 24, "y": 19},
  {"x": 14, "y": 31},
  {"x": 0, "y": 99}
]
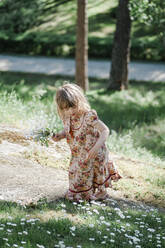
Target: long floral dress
[{"x": 85, "y": 176}]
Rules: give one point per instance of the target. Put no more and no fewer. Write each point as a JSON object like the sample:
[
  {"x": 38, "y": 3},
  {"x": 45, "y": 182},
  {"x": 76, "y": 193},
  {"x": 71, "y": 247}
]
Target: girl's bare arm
[{"x": 104, "y": 133}]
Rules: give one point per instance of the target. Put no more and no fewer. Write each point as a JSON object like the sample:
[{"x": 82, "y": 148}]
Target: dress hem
[{"x": 82, "y": 191}]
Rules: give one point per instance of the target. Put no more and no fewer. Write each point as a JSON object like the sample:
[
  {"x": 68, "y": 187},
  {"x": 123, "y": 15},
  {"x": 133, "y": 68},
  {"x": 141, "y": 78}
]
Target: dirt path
[
  {"x": 30, "y": 172},
  {"x": 23, "y": 179},
  {"x": 147, "y": 71}
]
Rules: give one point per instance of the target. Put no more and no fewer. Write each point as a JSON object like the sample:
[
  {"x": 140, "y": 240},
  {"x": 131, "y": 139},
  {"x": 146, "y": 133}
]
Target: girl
[{"x": 91, "y": 169}]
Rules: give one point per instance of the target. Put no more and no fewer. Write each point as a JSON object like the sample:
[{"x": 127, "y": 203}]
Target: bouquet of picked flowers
[{"x": 43, "y": 135}]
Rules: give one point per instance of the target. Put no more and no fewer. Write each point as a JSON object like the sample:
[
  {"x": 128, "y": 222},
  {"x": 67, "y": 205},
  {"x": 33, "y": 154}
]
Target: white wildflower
[
  {"x": 96, "y": 211},
  {"x": 151, "y": 230},
  {"x": 5, "y": 239},
  {"x": 40, "y": 246},
  {"x": 13, "y": 224},
  {"x": 73, "y": 228}
]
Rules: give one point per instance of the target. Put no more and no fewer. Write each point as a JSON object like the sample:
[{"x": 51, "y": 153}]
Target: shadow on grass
[
  {"x": 142, "y": 106},
  {"x": 119, "y": 115},
  {"x": 27, "y": 84},
  {"x": 101, "y": 20},
  {"x": 124, "y": 117},
  {"x": 81, "y": 225},
  {"x": 148, "y": 85}
]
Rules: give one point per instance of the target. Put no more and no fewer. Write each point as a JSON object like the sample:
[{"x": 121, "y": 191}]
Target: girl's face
[{"x": 69, "y": 111}]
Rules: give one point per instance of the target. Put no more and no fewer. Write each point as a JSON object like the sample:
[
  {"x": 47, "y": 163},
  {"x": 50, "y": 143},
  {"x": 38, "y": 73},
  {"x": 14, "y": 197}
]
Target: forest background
[{"x": 48, "y": 28}]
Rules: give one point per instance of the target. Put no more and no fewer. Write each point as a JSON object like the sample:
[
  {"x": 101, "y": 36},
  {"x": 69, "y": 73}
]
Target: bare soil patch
[{"x": 23, "y": 179}]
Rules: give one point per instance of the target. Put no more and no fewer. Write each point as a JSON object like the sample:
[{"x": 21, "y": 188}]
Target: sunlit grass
[{"x": 80, "y": 225}]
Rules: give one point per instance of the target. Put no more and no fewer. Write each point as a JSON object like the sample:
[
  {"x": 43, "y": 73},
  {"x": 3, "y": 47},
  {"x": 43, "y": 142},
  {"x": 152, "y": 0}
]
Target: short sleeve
[{"x": 91, "y": 118}]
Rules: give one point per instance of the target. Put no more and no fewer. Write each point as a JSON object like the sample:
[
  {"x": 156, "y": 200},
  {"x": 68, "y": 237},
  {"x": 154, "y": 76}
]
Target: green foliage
[
  {"x": 17, "y": 17},
  {"x": 43, "y": 135},
  {"x": 38, "y": 27},
  {"x": 152, "y": 15},
  {"x": 29, "y": 103},
  {"x": 147, "y": 48},
  {"x": 149, "y": 13},
  {"x": 142, "y": 10}
]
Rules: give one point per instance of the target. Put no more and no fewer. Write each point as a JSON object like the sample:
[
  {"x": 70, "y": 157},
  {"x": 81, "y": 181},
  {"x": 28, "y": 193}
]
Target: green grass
[
  {"x": 65, "y": 224},
  {"x": 135, "y": 117}
]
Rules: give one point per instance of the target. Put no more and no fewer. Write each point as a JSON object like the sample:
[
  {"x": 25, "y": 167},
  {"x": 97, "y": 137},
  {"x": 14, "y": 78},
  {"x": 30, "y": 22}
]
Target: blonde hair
[{"x": 71, "y": 95}]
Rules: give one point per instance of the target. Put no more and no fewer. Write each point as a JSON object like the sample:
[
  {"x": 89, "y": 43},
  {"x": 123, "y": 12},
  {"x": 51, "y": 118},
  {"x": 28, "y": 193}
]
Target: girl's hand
[
  {"x": 56, "y": 137},
  {"x": 92, "y": 153},
  {"x": 104, "y": 132}
]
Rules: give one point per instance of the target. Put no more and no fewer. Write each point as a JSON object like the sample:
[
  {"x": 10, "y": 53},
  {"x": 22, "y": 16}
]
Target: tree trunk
[
  {"x": 121, "y": 49},
  {"x": 82, "y": 45}
]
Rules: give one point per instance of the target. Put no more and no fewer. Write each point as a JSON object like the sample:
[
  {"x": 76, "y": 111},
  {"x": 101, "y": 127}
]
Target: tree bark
[
  {"x": 82, "y": 45},
  {"x": 121, "y": 49}
]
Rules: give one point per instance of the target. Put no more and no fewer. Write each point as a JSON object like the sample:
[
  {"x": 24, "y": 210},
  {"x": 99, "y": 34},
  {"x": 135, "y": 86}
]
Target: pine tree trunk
[
  {"x": 121, "y": 49},
  {"x": 82, "y": 45}
]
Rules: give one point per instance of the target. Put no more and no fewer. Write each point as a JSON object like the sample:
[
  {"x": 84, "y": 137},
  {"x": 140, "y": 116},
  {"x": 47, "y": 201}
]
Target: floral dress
[{"x": 85, "y": 176}]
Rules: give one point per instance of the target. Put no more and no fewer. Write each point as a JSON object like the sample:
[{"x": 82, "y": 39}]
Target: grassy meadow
[{"x": 136, "y": 119}]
